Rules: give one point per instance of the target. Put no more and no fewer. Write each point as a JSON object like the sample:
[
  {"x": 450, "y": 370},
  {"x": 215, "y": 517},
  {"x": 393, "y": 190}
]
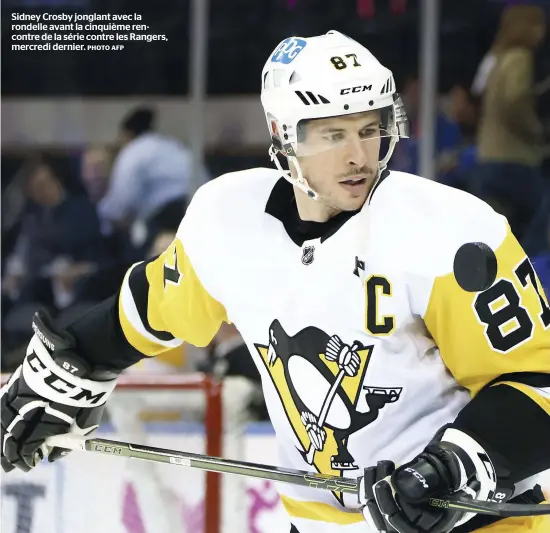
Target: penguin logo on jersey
[{"x": 319, "y": 379}]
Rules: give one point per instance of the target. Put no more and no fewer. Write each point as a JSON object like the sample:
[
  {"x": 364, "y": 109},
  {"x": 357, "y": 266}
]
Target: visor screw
[
  {"x": 371, "y": 102},
  {"x": 286, "y": 136},
  {"x": 346, "y": 107},
  {"x": 284, "y": 127}
]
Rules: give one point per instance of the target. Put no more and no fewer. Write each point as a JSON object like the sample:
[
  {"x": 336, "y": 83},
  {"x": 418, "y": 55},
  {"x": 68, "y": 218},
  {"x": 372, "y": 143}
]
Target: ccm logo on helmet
[
  {"x": 288, "y": 50},
  {"x": 357, "y": 89}
]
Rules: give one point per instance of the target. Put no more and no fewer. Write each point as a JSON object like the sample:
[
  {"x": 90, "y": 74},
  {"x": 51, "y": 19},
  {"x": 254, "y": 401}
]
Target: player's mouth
[{"x": 354, "y": 183}]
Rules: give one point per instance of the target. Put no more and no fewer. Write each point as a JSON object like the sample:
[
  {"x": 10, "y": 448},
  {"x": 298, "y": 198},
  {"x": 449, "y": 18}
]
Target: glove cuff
[
  {"x": 473, "y": 461},
  {"x": 53, "y": 382}
]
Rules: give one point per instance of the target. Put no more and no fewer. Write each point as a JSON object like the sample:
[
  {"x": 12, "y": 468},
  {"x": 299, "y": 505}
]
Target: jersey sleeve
[
  {"x": 165, "y": 301},
  {"x": 502, "y": 331},
  {"x": 496, "y": 344}
]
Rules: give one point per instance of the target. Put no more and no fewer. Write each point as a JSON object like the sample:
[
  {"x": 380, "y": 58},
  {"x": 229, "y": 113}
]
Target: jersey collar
[{"x": 282, "y": 205}]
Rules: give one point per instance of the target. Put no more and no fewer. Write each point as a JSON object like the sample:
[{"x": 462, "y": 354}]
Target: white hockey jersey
[{"x": 365, "y": 342}]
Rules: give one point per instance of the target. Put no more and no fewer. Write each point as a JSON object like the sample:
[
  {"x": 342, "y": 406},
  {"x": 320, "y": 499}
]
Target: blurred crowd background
[{"x": 97, "y": 166}]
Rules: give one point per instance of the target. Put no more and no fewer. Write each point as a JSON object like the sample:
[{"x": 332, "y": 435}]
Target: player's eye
[
  {"x": 334, "y": 137},
  {"x": 368, "y": 132}
]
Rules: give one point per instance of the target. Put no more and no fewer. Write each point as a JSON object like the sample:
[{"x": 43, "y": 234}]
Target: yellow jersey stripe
[
  {"x": 320, "y": 511},
  {"x": 163, "y": 303}
]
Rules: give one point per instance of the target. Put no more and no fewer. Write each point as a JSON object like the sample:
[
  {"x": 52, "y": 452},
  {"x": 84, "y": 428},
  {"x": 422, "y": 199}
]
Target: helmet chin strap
[
  {"x": 384, "y": 163},
  {"x": 299, "y": 181},
  {"x": 302, "y": 183}
]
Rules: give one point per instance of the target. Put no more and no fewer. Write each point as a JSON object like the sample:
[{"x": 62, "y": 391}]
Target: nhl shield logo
[{"x": 308, "y": 255}]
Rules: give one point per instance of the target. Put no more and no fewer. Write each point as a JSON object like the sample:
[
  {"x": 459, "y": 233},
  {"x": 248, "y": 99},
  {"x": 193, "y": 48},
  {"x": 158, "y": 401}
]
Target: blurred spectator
[
  {"x": 465, "y": 111},
  {"x": 448, "y": 137},
  {"x": 457, "y": 165},
  {"x": 510, "y": 140},
  {"x": 60, "y": 241},
  {"x": 150, "y": 179},
  {"x": 95, "y": 169},
  {"x": 13, "y": 205}
]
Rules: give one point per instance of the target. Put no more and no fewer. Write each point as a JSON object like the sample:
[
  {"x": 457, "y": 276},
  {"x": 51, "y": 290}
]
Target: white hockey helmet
[{"x": 321, "y": 77}]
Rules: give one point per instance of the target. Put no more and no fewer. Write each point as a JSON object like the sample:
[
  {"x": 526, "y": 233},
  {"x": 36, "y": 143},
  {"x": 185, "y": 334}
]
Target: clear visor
[{"x": 362, "y": 136}]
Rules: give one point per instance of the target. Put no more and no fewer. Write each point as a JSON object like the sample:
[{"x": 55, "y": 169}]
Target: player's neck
[{"x": 313, "y": 210}]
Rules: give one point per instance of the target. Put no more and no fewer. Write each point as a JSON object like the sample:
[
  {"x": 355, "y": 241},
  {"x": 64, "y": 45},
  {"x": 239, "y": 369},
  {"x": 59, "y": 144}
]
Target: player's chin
[
  {"x": 351, "y": 205},
  {"x": 352, "y": 200}
]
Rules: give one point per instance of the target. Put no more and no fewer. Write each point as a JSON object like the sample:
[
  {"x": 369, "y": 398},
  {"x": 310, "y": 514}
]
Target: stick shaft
[
  {"x": 205, "y": 462},
  {"x": 274, "y": 473}
]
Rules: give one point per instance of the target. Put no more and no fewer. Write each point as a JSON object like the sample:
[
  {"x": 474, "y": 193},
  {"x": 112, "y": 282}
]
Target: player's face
[{"x": 340, "y": 158}]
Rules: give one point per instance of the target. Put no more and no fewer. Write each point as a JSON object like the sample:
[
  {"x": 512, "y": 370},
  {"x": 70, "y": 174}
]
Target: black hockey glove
[
  {"x": 394, "y": 500},
  {"x": 53, "y": 392}
]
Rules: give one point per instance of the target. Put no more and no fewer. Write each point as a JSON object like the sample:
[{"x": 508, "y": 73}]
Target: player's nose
[{"x": 356, "y": 154}]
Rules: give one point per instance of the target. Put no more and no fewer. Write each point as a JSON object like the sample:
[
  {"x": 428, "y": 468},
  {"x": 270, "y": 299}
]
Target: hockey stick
[{"x": 295, "y": 477}]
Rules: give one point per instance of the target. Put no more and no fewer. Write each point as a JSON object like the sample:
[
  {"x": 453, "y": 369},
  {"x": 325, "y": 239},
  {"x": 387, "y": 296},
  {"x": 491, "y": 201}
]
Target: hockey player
[{"x": 380, "y": 356}]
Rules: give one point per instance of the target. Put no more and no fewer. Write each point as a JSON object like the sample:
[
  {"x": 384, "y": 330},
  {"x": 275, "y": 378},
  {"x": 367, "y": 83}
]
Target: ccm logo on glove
[
  {"x": 418, "y": 476},
  {"x": 60, "y": 385}
]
